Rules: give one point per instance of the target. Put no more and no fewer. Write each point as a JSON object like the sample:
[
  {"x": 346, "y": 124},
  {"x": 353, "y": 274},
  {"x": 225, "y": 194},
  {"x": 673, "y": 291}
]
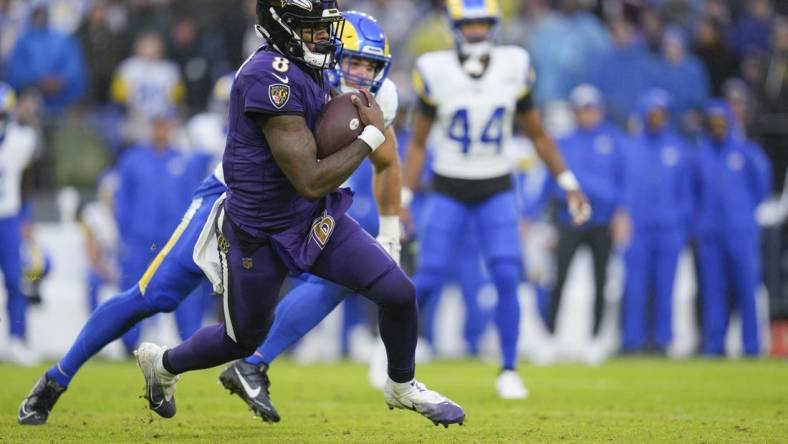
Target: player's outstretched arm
[
  {"x": 295, "y": 151},
  {"x": 545, "y": 146},
  {"x": 531, "y": 122}
]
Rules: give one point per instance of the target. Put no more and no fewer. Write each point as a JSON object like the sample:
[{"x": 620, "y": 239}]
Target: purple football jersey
[{"x": 260, "y": 198}]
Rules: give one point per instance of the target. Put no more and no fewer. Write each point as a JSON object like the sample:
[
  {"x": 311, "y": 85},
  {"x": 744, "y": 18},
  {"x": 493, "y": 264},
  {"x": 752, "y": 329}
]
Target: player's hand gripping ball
[{"x": 343, "y": 119}]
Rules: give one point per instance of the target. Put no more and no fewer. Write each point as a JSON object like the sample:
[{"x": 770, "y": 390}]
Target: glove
[{"x": 389, "y": 236}]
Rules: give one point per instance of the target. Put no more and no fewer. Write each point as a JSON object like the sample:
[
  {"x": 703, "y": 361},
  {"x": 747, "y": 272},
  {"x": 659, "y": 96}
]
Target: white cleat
[
  {"x": 159, "y": 383},
  {"x": 378, "y": 372},
  {"x": 510, "y": 385},
  {"x": 432, "y": 405},
  {"x": 20, "y": 354}
]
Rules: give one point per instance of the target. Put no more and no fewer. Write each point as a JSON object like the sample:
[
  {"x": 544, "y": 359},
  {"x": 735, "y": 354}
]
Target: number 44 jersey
[{"x": 473, "y": 115}]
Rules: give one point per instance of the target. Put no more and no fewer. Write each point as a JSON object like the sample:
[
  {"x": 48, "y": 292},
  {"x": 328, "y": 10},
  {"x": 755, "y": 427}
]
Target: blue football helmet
[
  {"x": 466, "y": 10},
  {"x": 7, "y": 105},
  {"x": 460, "y": 12},
  {"x": 364, "y": 38}
]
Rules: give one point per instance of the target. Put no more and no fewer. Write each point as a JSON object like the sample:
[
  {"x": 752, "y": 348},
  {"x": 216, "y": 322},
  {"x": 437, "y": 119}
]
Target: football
[{"x": 338, "y": 124}]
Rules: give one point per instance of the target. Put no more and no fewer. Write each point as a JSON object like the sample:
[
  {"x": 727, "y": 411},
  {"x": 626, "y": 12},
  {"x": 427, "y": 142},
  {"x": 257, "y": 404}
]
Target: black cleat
[
  {"x": 41, "y": 400},
  {"x": 251, "y": 383}
]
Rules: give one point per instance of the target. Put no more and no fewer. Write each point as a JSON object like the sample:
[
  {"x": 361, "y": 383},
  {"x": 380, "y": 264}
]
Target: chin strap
[
  {"x": 473, "y": 66},
  {"x": 473, "y": 55}
]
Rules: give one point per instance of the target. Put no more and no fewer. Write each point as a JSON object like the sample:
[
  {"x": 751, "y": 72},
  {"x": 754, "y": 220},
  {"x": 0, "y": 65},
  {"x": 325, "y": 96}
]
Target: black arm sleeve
[
  {"x": 426, "y": 108},
  {"x": 525, "y": 103}
]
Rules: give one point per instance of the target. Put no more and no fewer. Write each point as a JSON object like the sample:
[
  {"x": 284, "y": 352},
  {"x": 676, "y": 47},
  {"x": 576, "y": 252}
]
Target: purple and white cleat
[
  {"x": 432, "y": 405},
  {"x": 159, "y": 383}
]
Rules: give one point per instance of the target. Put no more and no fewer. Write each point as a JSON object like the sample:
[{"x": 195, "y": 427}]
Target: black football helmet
[{"x": 304, "y": 30}]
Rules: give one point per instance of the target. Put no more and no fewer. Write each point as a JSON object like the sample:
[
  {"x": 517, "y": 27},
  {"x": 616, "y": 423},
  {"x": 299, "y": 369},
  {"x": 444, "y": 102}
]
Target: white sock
[
  {"x": 160, "y": 366},
  {"x": 402, "y": 387}
]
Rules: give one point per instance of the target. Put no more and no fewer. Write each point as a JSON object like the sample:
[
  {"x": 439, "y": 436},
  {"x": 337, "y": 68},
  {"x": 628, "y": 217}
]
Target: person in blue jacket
[
  {"x": 685, "y": 78},
  {"x": 595, "y": 151},
  {"x": 627, "y": 71},
  {"x": 149, "y": 203},
  {"x": 658, "y": 200},
  {"x": 48, "y": 61},
  {"x": 732, "y": 178}
]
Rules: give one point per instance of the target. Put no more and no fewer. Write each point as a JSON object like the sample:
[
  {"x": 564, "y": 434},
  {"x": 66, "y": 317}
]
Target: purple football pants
[{"x": 254, "y": 275}]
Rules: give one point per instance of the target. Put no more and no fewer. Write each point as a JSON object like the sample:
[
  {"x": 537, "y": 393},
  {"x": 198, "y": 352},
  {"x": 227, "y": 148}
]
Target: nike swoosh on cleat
[
  {"x": 252, "y": 393},
  {"x": 284, "y": 79},
  {"x": 26, "y": 413},
  {"x": 152, "y": 399}
]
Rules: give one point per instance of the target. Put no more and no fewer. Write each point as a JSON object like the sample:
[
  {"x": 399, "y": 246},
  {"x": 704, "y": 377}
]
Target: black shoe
[
  {"x": 251, "y": 383},
  {"x": 36, "y": 407}
]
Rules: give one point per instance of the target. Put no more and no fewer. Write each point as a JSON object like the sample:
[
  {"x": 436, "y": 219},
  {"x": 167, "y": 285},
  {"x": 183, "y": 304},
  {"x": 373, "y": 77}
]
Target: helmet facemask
[
  {"x": 302, "y": 29},
  {"x": 474, "y": 48},
  {"x": 346, "y": 59}
]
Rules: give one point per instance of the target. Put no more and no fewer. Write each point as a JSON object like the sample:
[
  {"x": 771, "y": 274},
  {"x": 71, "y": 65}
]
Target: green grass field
[{"x": 627, "y": 400}]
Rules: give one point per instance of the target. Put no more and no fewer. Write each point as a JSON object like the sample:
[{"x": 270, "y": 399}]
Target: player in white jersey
[
  {"x": 17, "y": 145},
  {"x": 207, "y": 131},
  {"x": 147, "y": 84},
  {"x": 469, "y": 98}
]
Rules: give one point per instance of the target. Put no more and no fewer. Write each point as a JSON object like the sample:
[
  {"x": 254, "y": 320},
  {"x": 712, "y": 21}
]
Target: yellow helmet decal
[
  {"x": 350, "y": 38},
  {"x": 461, "y": 10},
  {"x": 455, "y": 9}
]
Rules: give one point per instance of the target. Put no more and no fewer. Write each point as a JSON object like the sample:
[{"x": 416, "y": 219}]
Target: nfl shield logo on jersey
[{"x": 279, "y": 94}]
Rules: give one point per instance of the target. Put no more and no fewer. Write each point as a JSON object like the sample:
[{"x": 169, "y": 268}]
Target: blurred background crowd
[{"x": 120, "y": 93}]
